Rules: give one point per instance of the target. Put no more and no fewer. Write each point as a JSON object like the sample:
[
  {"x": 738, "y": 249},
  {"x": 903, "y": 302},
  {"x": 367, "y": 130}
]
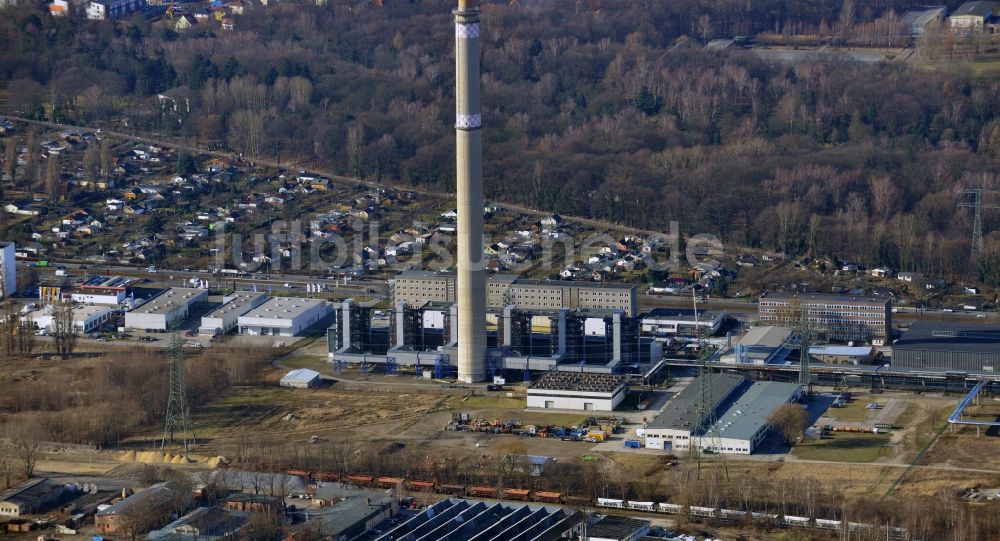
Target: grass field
[
  {"x": 844, "y": 447},
  {"x": 854, "y": 411}
]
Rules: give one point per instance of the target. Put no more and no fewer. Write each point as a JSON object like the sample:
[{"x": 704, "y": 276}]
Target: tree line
[{"x": 606, "y": 109}]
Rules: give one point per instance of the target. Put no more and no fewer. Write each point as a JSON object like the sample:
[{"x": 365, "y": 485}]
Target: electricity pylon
[
  {"x": 977, "y": 228},
  {"x": 178, "y": 416}
]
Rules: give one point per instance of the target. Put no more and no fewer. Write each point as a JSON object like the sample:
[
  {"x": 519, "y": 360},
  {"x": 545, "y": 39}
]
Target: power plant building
[
  {"x": 948, "y": 347},
  {"x": 841, "y": 318},
  {"x": 417, "y": 288}
]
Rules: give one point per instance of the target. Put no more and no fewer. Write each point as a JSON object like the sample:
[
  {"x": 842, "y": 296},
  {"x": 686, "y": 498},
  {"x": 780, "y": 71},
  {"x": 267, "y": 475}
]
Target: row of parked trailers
[
  {"x": 413, "y": 485},
  {"x": 734, "y": 515}
]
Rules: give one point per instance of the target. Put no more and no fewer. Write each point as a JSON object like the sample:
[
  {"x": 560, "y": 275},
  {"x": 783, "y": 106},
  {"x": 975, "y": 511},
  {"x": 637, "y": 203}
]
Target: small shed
[{"x": 303, "y": 378}]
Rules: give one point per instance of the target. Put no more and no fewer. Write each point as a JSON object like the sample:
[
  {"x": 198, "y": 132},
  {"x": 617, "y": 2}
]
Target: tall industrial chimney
[{"x": 471, "y": 279}]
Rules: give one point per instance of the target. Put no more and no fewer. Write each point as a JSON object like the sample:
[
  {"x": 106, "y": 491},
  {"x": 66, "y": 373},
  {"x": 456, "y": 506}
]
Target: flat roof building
[
  {"x": 110, "y": 296},
  {"x": 841, "y": 318},
  {"x": 664, "y": 321},
  {"x": 165, "y": 310},
  {"x": 283, "y": 316},
  {"x": 86, "y": 319},
  {"x": 762, "y": 345},
  {"x": 226, "y": 317},
  {"x": 740, "y": 409},
  {"x": 948, "y": 347},
  {"x": 577, "y": 391}
]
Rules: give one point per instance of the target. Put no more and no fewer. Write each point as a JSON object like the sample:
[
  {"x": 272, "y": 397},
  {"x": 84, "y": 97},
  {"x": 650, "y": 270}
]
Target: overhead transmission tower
[
  {"x": 178, "y": 418},
  {"x": 977, "y": 229},
  {"x": 705, "y": 408}
]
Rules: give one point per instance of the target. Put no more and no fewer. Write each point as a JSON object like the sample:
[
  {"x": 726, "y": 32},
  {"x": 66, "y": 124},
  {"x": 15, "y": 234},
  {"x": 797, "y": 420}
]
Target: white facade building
[
  {"x": 283, "y": 316},
  {"x": 164, "y": 310},
  {"x": 577, "y": 391},
  {"x": 226, "y": 317},
  {"x": 109, "y": 296},
  {"x": 662, "y": 321},
  {"x": 86, "y": 319},
  {"x": 99, "y": 10},
  {"x": 8, "y": 268}
]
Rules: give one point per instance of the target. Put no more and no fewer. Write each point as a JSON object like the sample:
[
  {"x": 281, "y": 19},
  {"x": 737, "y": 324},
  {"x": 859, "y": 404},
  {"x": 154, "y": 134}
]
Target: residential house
[{"x": 880, "y": 272}]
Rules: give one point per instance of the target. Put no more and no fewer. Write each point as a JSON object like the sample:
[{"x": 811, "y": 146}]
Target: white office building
[
  {"x": 8, "y": 268},
  {"x": 99, "y": 10},
  {"x": 95, "y": 295},
  {"x": 283, "y": 316},
  {"x": 226, "y": 317},
  {"x": 577, "y": 391},
  {"x": 165, "y": 310}
]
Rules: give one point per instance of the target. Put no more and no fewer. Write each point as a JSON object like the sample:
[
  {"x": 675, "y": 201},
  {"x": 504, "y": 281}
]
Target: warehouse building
[
  {"x": 346, "y": 512},
  {"x": 840, "y": 318},
  {"x": 202, "y": 524},
  {"x": 86, "y": 319},
  {"x": 29, "y": 497},
  {"x": 144, "y": 507},
  {"x": 283, "y": 316},
  {"x": 226, "y": 317},
  {"x": 8, "y": 269},
  {"x": 948, "y": 347},
  {"x": 465, "y": 520},
  {"x": 577, "y": 391},
  {"x": 165, "y": 310},
  {"x": 416, "y": 288},
  {"x": 740, "y": 409}
]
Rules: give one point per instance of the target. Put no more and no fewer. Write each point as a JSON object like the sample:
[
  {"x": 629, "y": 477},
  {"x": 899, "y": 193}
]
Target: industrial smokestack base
[{"x": 471, "y": 276}]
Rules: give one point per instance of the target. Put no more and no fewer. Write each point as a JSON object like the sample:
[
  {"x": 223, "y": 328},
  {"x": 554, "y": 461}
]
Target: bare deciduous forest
[{"x": 596, "y": 108}]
